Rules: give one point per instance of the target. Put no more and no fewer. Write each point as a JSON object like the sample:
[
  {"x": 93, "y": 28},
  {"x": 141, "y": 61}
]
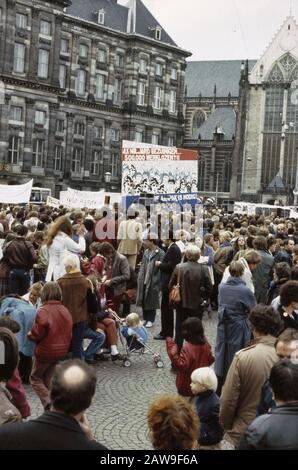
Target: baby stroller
[{"x": 133, "y": 344}]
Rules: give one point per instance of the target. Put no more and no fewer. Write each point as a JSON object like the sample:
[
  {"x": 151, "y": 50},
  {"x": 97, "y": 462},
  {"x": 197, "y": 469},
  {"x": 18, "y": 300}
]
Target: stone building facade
[
  {"x": 269, "y": 163},
  {"x": 75, "y": 82},
  {"x": 213, "y": 115}
]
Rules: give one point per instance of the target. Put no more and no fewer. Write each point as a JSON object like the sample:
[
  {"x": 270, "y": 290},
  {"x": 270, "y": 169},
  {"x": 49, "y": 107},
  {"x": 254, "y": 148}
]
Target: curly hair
[
  {"x": 265, "y": 320},
  {"x": 173, "y": 423}
]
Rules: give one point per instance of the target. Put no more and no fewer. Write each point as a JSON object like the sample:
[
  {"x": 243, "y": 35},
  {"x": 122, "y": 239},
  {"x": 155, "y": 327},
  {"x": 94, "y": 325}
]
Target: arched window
[
  {"x": 276, "y": 74},
  {"x": 198, "y": 119}
]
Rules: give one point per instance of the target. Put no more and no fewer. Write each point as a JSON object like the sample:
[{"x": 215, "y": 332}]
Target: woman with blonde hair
[
  {"x": 60, "y": 245},
  {"x": 33, "y": 295}
]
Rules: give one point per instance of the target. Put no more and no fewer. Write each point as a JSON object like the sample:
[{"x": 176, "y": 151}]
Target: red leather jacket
[
  {"x": 191, "y": 357},
  {"x": 52, "y": 331}
]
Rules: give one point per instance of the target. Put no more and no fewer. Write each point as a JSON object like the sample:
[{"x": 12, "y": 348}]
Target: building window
[
  {"x": 14, "y": 150},
  {"x": 100, "y": 85},
  {"x": 101, "y": 56},
  {"x": 60, "y": 125},
  {"x": 19, "y": 58},
  {"x": 83, "y": 50},
  {"x": 45, "y": 28},
  {"x": 77, "y": 160},
  {"x": 171, "y": 141},
  {"x": 38, "y": 149},
  {"x": 158, "y": 69},
  {"x": 79, "y": 128},
  {"x": 118, "y": 90},
  {"x": 141, "y": 93},
  {"x": 155, "y": 139},
  {"x": 62, "y": 76},
  {"x": 43, "y": 63},
  {"x": 64, "y": 45},
  {"x": 95, "y": 163},
  {"x": 40, "y": 117},
  {"x": 157, "y": 97},
  {"x": 172, "y": 104},
  {"x": 97, "y": 132},
  {"x": 114, "y": 165},
  {"x": 81, "y": 82},
  {"x": 143, "y": 66},
  {"x": 198, "y": 119},
  {"x": 58, "y": 157},
  {"x": 115, "y": 134},
  {"x": 158, "y": 33},
  {"x": 101, "y": 17},
  {"x": 119, "y": 60},
  {"x": 21, "y": 20},
  {"x": 139, "y": 136},
  {"x": 16, "y": 113},
  {"x": 174, "y": 74}
]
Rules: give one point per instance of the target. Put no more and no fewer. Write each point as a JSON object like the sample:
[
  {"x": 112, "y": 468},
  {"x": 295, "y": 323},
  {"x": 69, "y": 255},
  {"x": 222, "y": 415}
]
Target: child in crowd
[
  {"x": 97, "y": 261},
  {"x": 134, "y": 332},
  {"x": 196, "y": 352},
  {"x": 52, "y": 333},
  {"x": 203, "y": 385}
]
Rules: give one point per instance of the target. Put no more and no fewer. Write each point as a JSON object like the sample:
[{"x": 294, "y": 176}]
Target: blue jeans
[
  {"x": 19, "y": 281},
  {"x": 97, "y": 337},
  {"x": 76, "y": 346}
]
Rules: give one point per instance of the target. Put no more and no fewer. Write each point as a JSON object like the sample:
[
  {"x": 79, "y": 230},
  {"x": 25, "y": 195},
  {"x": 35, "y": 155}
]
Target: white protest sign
[
  {"x": 79, "y": 199},
  {"x": 15, "y": 194},
  {"x": 56, "y": 203}
]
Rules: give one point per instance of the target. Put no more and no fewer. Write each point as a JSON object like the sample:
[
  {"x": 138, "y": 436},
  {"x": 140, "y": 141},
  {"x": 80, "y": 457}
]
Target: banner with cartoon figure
[{"x": 156, "y": 169}]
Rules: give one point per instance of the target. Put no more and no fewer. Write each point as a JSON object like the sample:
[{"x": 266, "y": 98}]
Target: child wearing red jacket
[
  {"x": 52, "y": 332},
  {"x": 195, "y": 352}
]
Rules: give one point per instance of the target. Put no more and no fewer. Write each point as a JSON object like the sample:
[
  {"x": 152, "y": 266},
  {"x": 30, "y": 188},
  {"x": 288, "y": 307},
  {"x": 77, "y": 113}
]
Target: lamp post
[{"x": 107, "y": 178}]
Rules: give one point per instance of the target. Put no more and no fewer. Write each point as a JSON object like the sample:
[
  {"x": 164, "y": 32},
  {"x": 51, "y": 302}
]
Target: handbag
[{"x": 174, "y": 295}]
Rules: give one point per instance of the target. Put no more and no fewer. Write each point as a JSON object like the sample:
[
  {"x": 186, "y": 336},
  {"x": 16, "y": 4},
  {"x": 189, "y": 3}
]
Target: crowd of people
[{"x": 65, "y": 276}]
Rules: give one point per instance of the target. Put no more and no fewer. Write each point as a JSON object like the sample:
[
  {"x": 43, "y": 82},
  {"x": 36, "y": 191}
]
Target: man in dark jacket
[
  {"x": 65, "y": 426},
  {"x": 288, "y": 304},
  {"x": 21, "y": 256},
  {"x": 193, "y": 279},
  {"x": 167, "y": 266},
  {"x": 277, "y": 430},
  {"x": 262, "y": 275},
  {"x": 286, "y": 346}
]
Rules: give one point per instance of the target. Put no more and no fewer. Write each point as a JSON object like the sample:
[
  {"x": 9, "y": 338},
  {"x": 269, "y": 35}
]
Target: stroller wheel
[
  {"x": 127, "y": 363},
  {"x": 159, "y": 364}
]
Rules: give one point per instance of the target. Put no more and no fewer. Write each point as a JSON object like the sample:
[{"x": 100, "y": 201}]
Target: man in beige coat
[
  {"x": 130, "y": 237},
  {"x": 249, "y": 370}
]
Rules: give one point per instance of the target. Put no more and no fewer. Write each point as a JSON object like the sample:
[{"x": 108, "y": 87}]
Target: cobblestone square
[{"x": 119, "y": 411}]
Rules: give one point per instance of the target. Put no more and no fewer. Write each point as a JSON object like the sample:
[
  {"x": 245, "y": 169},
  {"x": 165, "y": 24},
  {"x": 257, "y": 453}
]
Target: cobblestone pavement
[{"x": 119, "y": 410}]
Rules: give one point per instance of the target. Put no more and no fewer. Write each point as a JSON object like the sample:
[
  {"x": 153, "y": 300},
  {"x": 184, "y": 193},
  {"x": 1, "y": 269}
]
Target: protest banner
[
  {"x": 156, "y": 169},
  {"x": 15, "y": 194},
  {"x": 79, "y": 199}
]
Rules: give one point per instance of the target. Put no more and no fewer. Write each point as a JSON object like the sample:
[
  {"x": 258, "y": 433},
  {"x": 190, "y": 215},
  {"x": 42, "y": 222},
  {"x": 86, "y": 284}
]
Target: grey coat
[
  {"x": 120, "y": 273},
  {"x": 235, "y": 300},
  {"x": 153, "y": 286},
  {"x": 262, "y": 276}
]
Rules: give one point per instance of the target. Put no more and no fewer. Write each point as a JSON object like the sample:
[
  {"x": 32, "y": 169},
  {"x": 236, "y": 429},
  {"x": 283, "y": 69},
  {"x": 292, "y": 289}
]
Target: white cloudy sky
[{"x": 221, "y": 29}]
